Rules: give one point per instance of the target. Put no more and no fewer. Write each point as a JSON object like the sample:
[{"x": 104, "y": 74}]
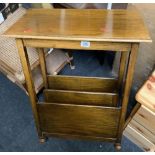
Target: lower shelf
[{"x": 95, "y": 122}]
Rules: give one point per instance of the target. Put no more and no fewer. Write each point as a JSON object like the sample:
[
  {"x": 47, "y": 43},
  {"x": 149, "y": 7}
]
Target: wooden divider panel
[
  {"x": 93, "y": 121},
  {"x": 92, "y": 84},
  {"x": 76, "y": 97}
]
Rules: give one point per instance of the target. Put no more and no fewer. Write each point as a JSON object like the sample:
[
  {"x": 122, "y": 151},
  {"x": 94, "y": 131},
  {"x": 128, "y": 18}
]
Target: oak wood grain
[
  {"x": 81, "y": 83},
  {"x": 74, "y": 44},
  {"x": 76, "y": 24},
  {"x": 95, "y": 121},
  {"x": 77, "y": 97}
]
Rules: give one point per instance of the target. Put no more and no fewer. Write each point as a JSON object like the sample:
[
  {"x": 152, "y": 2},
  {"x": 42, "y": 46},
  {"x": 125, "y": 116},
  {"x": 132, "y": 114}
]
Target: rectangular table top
[{"x": 76, "y": 24}]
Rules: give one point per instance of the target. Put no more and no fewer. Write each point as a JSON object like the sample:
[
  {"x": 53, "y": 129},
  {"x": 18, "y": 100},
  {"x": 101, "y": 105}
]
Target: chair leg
[{"x": 71, "y": 62}]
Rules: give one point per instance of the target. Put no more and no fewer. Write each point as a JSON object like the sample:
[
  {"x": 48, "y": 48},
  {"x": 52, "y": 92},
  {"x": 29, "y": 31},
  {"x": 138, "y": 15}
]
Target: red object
[
  {"x": 27, "y": 30},
  {"x": 149, "y": 86},
  {"x": 152, "y": 78}
]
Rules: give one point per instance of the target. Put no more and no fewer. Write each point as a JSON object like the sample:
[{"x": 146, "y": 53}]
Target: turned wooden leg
[{"x": 117, "y": 146}]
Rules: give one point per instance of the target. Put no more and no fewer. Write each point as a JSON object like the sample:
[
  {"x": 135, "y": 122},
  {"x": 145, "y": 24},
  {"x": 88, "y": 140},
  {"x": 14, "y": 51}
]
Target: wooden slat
[
  {"x": 139, "y": 139},
  {"x": 75, "y": 97},
  {"x": 71, "y": 44},
  {"x": 92, "y": 121},
  {"x": 123, "y": 60},
  {"x": 43, "y": 66},
  {"x": 90, "y": 84},
  {"x": 146, "y": 117},
  {"x": 143, "y": 130}
]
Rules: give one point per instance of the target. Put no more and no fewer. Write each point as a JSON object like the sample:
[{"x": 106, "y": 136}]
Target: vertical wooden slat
[
  {"x": 122, "y": 68},
  {"x": 43, "y": 66},
  {"x": 121, "y": 73},
  {"x": 29, "y": 81},
  {"x": 128, "y": 84}
]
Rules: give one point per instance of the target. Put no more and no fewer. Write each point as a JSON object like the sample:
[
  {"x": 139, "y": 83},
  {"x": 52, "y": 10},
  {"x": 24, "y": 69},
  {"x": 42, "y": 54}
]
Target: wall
[{"x": 146, "y": 56}]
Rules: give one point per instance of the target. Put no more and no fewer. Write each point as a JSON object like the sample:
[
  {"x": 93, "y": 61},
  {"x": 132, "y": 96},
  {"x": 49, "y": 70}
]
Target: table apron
[{"x": 68, "y": 44}]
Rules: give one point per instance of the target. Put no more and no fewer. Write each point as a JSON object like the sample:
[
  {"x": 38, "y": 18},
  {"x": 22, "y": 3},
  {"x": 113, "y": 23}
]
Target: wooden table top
[{"x": 75, "y": 24}]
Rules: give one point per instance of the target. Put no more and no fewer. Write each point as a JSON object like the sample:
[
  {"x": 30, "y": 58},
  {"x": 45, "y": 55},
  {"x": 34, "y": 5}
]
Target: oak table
[{"x": 76, "y": 106}]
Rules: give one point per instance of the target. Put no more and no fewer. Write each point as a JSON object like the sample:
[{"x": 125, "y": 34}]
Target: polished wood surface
[
  {"x": 94, "y": 121},
  {"x": 81, "y": 83},
  {"x": 75, "y": 24},
  {"x": 78, "y": 97}
]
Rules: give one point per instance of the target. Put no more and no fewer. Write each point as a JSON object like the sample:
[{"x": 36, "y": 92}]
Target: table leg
[
  {"x": 128, "y": 83},
  {"x": 121, "y": 73},
  {"x": 43, "y": 66},
  {"x": 29, "y": 82}
]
